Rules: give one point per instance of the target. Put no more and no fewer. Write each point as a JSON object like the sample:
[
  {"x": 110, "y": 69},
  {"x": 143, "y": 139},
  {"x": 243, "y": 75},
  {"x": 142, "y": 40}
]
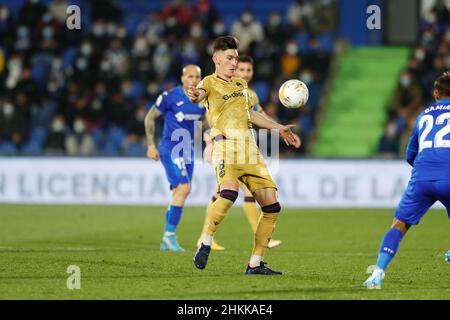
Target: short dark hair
[
  {"x": 246, "y": 58},
  {"x": 442, "y": 84},
  {"x": 225, "y": 43}
]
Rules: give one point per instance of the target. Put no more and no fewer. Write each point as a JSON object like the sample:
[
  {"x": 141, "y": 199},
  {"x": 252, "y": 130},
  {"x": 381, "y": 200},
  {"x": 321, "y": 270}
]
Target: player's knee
[
  {"x": 272, "y": 208},
  {"x": 183, "y": 190},
  {"x": 229, "y": 195}
]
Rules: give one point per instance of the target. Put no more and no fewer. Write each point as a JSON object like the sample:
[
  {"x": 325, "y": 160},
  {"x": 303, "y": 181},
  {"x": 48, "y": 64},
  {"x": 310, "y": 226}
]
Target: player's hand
[
  {"x": 290, "y": 138},
  {"x": 153, "y": 153},
  {"x": 207, "y": 153},
  {"x": 193, "y": 93}
]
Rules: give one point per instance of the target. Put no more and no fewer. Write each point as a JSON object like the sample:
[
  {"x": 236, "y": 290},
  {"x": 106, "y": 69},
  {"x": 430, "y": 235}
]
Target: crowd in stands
[
  {"x": 86, "y": 92},
  {"x": 429, "y": 60}
]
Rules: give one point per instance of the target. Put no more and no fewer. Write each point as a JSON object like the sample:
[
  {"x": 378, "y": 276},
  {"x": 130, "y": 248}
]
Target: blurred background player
[
  {"x": 231, "y": 119},
  {"x": 428, "y": 153},
  {"x": 179, "y": 114},
  {"x": 245, "y": 71}
]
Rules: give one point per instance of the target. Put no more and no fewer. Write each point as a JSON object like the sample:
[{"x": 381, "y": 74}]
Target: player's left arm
[{"x": 285, "y": 130}]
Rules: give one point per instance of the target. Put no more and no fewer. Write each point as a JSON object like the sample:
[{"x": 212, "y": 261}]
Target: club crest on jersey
[
  {"x": 221, "y": 173},
  {"x": 239, "y": 84}
]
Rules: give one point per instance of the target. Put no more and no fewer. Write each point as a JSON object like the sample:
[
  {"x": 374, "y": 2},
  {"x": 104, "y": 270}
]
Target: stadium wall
[{"x": 302, "y": 183}]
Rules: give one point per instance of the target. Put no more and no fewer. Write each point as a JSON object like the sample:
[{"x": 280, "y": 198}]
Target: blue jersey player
[
  {"x": 428, "y": 153},
  {"x": 176, "y": 150}
]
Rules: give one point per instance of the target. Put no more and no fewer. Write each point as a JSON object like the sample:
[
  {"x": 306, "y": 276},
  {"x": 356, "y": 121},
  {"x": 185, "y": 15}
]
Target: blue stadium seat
[
  {"x": 32, "y": 148},
  {"x": 326, "y": 41},
  {"x": 262, "y": 89},
  {"x": 8, "y": 148},
  {"x": 115, "y": 136},
  {"x": 302, "y": 40},
  {"x": 110, "y": 149},
  {"x": 38, "y": 135},
  {"x": 134, "y": 150},
  {"x": 69, "y": 56}
]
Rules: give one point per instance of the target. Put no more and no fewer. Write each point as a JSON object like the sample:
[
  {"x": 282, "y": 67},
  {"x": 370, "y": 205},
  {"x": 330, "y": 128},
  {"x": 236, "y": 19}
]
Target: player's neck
[{"x": 222, "y": 76}]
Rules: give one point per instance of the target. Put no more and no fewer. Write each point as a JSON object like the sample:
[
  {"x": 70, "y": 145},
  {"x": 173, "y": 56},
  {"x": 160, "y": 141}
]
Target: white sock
[
  {"x": 166, "y": 234},
  {"x": 255, "y": 261},
  {"x": 207, "y": 240}
]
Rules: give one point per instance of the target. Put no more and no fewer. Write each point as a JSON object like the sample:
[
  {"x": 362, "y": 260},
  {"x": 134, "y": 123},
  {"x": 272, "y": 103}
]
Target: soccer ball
[
  {"x": 293, "y": 93},
  {"x": 447, "y": 257}
]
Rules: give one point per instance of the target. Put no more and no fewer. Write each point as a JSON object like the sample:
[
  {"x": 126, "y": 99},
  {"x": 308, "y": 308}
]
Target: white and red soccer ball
[{"x": 293, "y": 93}]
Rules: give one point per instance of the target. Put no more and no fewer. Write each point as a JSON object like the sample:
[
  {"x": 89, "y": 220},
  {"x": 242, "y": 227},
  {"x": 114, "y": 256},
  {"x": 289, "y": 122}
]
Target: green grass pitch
[{"x": 324, "y": 255}]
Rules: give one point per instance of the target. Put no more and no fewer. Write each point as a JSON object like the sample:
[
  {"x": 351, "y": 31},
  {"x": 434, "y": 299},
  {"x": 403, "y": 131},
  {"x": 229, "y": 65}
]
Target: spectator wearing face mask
[
  {"x": 389, "y": 144},
  {"x": 12, "y": 123},
  {"x": 247, "y": 30},
  {"x": 55, "y": 143},
  {"x": 408, "y": 95},
  {"x": 290, "y": 61},
  {"x": 79, "y": 141}
]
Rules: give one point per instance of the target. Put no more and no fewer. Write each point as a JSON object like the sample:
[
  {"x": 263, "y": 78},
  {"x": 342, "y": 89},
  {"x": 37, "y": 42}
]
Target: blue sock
[
  {"x": 173, "y": 216},
  {"x": 389, "y": 247}
]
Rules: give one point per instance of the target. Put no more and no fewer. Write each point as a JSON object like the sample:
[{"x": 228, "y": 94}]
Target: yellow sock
[
  {"x": 207, "y": 219},
  {"x": 252, "y": 212},
  {"x": 219, "y": 209},
  {"x": 264, "y": 233}
]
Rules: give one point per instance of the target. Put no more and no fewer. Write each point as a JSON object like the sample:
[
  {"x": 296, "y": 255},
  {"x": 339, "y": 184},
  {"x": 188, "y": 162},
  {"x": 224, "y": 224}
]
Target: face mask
[
  {"x": 105, "y": 66},
  {"x": 247, "y": 18},
  {"x": 171, "y": 22},
  {"x": 306, "y": 78},
  {"x": 58, "y": 126},
  {"x": 420, "y": 55},
  {"x": 22, "y": 32},
  {"x": 140, "y": 45},
  {"x": 196, "y": 31},
  {"x": 111, "y": 28},
  {"x": 47, "y": 17},
  {"x": 56, "y": 64},
  {"x": 152, "y": 88},
  {"x": 189, "y": 49},
  {"x": 86, "y": 49},
  {"x": 8, "y": 109},
  {"x": 47, "y": 33},
  {"x": 219, "y": 28},
  {"x": 98, "y": 30},
  {"x": 391, "y": 130},
  {"x": 292, "y": 49},
  {"x": 78, "y": 126},
  {"x": 405, "y": 81},
  {"x": 81, "y": 64}
]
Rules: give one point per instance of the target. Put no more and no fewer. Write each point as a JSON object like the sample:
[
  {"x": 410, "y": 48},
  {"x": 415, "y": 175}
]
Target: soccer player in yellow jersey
[
  {"x": 245, "y": 71},
  {"x": 236, "y": 156}
]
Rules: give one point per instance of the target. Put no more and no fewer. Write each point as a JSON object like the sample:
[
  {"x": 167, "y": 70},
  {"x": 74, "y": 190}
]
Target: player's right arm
[
  {"x": 413, "y": 145},
  {"x": 150, "y": 118},
  {"x": 195, "y": 95}
]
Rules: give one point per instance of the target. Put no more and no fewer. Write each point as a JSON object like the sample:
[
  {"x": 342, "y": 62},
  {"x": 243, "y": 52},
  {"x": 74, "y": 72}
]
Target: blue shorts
[
  {"x": 419, "y": 196},
  {"x": 177, "y": 170}
]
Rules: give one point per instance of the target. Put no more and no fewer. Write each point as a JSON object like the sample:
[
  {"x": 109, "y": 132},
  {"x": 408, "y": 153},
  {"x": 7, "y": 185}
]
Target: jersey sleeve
[
  {"x": 162, "y": 104},
  {"x": 205, "y": 85},
  {"x": 413, "y": 145}
]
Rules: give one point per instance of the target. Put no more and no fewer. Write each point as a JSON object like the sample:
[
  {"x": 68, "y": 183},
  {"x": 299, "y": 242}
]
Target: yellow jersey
[{"x": 227, "y": 104}]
